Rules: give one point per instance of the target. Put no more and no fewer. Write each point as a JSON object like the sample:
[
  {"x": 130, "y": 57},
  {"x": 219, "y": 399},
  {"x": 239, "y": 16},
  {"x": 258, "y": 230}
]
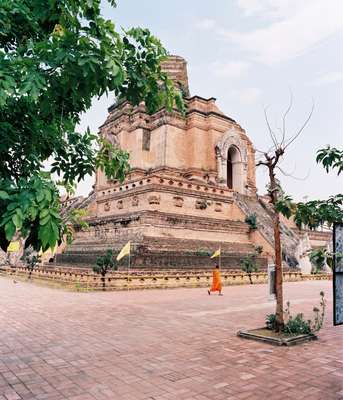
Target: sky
[{"x": 250, "y": 55}]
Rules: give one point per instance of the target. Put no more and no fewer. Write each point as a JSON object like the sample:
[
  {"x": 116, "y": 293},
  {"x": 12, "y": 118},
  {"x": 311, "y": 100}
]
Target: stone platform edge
[{"x": 165, "y": 280}]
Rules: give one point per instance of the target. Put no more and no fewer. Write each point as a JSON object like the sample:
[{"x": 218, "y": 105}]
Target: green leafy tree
[
  {"x": 331, "y": 158},
  {"x": 105, "y": 264},
  {"x": 315, "y": 213},
  {"x": 55, "y": 57}
]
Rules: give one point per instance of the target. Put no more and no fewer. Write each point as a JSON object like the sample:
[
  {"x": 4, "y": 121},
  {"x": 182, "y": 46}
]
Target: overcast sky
[{"x": 249, "y": 54}]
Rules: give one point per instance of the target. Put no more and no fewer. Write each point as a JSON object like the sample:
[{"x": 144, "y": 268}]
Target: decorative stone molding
[
  {"x": 107, "y": 206},
  {"x": 154, "y": 199},
  {"x": 120, "y": 204}
]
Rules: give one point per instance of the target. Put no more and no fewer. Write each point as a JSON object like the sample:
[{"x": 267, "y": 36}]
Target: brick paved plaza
[{"x": 172, "y": 344}]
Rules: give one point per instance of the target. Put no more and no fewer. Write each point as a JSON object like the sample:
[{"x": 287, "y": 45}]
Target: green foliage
[
  {"x": 297, "y": 325},
  {"x": 249, "y": 265},
  {"x": 72, "y": 218},
  {"x": 271, "y": 321},
  {"x": 112, "y": 160},
  {"x": 285, "y": 205},
  {"x": 105, "y": 263},
  {"x": 251, "y": 220},
  {"x": 203, "y": 252},
  {"x": 55, "y": 57},
  {"x": 320, "y": 257},
  {"x": 30, "y": 258},
  {"x": 331, "y": 158},
  {"x": 318, "y": 212},
  {"x": 31, "y": 207}
]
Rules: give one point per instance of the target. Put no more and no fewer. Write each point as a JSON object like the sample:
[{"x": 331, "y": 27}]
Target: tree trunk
[
  {"x": 13, "y": 258},
  {"x": 278, "y": 274},
  {"x": 277, "y": 249}
]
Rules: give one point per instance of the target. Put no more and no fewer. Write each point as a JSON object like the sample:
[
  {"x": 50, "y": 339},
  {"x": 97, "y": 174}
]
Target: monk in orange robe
[{"x": 216, "y": 282}]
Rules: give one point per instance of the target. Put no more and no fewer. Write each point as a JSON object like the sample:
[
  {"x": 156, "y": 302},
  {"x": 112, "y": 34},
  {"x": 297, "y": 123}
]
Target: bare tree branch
[
  {"x": 272, "y": 135},
  {"x": 285, "y": 116},
  {"x": 292, "y": 139},
  {"x": 291, "y": 174}
]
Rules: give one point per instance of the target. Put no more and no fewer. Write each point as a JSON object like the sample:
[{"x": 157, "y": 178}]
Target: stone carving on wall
[
  {"x": 135, "y": 201},
  {"x": 154, "y": 199},
  {"x": 107, "y": 206},
  {"x": 218, "y": 207},
  {"x": 178, "y": 201},
  {"x": 120, "y": 204},
  {"x": 201, "y": 204}
]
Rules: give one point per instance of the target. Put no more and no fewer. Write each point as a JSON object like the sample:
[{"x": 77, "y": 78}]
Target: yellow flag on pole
[
  {"x": 216, "y": 254},
  {"x": 125, "y": 251},
  {"x": 13, "y": 247}
]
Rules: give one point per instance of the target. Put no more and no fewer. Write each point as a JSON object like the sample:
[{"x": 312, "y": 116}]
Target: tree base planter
[{"x": 274, "y": 338}]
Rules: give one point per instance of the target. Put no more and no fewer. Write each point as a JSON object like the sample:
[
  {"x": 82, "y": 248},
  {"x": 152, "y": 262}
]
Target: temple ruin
[{"x": 191, "y": 186}]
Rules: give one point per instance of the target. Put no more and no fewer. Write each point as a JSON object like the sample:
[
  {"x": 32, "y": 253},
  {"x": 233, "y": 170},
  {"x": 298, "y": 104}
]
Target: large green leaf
[{"x": 10, "y": 230}]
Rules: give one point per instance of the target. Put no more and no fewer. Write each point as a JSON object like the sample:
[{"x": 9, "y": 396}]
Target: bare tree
[{"x": 271, "y": 159}]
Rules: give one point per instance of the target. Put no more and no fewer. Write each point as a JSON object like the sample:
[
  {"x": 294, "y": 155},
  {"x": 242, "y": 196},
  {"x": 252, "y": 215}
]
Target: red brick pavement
[{"x": 159, "y": 345}]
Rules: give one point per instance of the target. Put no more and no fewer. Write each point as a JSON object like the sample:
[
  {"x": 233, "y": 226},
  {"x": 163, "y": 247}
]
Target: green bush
[
  {"x": 298, "y": 325},
  {"x": 271, "y": 321},
  {"x": 31, "y": 259},
  {"x": 249, "y": 265},
  {"x": 104, "y": 264},
  {"x": 251, "y": 220}
]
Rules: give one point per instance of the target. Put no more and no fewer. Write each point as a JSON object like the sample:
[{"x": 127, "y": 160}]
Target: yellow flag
[
  {"x": 125, "y": 251},
  {"x": 13, "y": 246},
  {"x": 216, "y": 254}
]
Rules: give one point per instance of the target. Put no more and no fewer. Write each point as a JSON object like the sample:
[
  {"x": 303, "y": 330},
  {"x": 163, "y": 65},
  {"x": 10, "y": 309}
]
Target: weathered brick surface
[{"x": 172, "y": 344}]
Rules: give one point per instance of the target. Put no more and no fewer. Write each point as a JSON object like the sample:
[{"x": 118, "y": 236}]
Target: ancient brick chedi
[{"x": 191, "y": 186}]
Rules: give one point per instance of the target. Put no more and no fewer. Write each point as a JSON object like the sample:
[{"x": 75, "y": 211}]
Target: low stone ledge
[
  {"x": 267, "y": 336},
  {"x": 123, "y": 281}
]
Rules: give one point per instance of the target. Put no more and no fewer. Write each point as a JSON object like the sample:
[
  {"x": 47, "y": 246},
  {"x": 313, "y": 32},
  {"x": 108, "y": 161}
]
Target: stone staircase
[{"x": 290, "y": 240}]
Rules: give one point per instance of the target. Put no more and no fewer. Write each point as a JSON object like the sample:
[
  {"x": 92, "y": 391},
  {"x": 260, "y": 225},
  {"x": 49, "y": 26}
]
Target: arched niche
[{"x": 231, "y": 154}]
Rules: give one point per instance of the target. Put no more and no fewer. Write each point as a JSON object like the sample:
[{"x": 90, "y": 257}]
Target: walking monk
[{"x": 216, "y": 282}]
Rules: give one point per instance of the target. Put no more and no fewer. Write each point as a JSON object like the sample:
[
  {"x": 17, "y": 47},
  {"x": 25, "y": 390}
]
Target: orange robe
[{"x": 216, "y": 282}]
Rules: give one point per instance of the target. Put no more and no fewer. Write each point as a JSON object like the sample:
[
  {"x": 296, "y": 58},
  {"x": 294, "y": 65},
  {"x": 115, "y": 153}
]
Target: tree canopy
[
  {"x": 55, "y": 57},
  {"x": 316, "y": 213}
]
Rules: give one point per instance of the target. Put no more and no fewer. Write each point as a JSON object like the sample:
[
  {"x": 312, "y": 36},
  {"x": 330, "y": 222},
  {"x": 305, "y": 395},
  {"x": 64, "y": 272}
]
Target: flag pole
[{"x": 220, "y": 257}]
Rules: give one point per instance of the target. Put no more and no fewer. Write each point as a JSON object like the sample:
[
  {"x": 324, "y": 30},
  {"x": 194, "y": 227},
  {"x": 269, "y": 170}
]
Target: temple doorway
[{"x": 233, "y": 164}]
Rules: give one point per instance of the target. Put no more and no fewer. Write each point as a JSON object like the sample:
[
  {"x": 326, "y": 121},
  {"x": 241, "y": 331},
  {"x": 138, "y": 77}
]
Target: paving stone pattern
[{"x": 159, "y": 345}]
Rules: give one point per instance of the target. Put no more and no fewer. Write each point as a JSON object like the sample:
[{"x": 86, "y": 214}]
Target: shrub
[
  {"x": 251, "y": 220},
  {"x": 271, "y": 321},
  {"x": 202, "y": 252},
  {"x": 31, "y": 259},
  {"x": 104, "y": 264},
  {"x": 298, "y": 325},
  {"x": 248, "y": 265}
]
